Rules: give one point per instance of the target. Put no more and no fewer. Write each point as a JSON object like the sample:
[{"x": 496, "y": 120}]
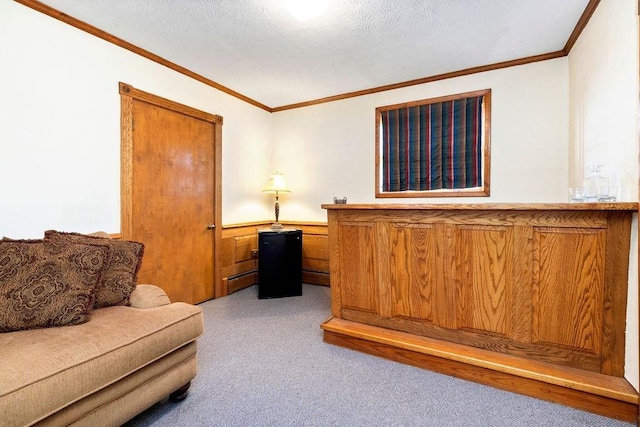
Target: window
[{"x": 435, "y": 147}]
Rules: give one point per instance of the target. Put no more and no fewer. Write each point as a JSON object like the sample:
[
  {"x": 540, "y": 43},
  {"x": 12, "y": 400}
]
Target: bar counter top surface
[{"x": 596, "y": 206}]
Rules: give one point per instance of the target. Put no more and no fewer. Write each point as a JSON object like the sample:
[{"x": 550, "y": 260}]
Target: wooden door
[{"x": 171, "y": 203}]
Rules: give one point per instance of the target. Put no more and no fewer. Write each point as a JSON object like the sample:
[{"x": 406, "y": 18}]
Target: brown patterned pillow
[
  {"x": 120, "y": 273},
  {"x": 44, "y": 284}
]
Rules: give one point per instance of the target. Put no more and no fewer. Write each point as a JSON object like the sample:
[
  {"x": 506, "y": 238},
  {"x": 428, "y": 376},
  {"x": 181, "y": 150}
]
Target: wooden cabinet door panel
[
  {"x": 482, "y": 278},
  {"x": 357, "y": 266},
  {"x": 358, "y": 272},
  {"x": 413, "y": 272},
  {"x": 569, "y": 268}
]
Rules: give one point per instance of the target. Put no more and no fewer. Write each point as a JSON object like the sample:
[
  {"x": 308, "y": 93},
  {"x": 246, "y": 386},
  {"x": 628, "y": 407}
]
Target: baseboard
[
  {"x": 237, "y": 283},
  {"x": 315, "y": 277},
  {"x": 592, "y": 392},
  {"x": 242, "y": 281}
]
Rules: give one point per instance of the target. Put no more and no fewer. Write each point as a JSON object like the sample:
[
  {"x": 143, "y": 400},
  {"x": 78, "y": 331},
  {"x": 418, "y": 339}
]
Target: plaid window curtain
[{"x": 433, "y": 146}]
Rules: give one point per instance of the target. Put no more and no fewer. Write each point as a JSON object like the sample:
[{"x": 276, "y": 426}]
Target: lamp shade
[{"x": 276, "y": 184}]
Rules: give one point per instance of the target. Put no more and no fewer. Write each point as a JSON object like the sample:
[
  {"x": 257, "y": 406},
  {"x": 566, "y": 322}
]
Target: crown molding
[
  {"x": 88, "y": 28},
  {"x": 423, "y": 80},
  {"x": 582, "y": 23}
]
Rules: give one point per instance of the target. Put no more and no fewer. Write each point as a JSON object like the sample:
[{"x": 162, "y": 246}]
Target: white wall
[
  {"x": 603, "y": 123},
  {"x": 60, "y": 128},
  {"x": 60, "y": 131},
  {"x": 334, "y": 143},
  {"x": 603, "y": 76}
]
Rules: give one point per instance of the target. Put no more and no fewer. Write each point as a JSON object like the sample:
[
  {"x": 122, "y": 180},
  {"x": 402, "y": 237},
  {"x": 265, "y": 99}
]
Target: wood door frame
[
  {"x": 638, "y": 240},
  {"x": 127, "y": 95}
]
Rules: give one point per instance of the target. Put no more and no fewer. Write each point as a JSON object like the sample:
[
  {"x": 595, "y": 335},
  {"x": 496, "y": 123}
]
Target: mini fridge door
[{"x": 279, "y": 263}]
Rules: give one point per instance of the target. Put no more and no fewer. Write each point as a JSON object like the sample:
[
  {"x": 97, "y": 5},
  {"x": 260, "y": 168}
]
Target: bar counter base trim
[{"x": 592, "y": 392}]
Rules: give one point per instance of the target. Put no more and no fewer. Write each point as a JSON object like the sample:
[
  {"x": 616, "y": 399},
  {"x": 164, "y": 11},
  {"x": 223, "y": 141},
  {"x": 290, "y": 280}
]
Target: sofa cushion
[
  {"x": 120, "y": 274},
  {"x": 44, "y": 284},
  {"x": 45, "y": 370},
  {"x": 148, "y": 296}
]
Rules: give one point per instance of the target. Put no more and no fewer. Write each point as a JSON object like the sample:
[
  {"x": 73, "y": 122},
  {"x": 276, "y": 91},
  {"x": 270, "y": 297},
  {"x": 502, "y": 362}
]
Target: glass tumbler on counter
[
  {"x": 576, "y": 194},
  {"x": 596, "y": 186}
]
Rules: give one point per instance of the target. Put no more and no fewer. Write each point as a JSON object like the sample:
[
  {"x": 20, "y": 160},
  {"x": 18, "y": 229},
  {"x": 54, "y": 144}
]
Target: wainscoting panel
[{"x": 240, "y": 254}]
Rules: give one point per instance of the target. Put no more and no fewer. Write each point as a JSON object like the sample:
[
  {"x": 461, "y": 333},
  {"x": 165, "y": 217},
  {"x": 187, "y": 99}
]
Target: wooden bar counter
[{"x": 529, "y": 298}]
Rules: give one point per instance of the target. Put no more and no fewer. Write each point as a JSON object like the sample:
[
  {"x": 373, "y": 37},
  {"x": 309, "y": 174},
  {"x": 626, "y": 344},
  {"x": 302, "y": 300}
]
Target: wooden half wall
[
  {"x": 530, "y": 298},
  {"x": 240, "y": 254}
]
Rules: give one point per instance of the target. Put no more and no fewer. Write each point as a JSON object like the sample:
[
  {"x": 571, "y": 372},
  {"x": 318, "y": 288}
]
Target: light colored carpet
[{"x": 263, "y": 363}]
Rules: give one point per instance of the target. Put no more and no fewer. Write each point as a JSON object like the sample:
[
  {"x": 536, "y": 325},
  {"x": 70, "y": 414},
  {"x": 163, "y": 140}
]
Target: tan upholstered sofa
[
  {"x": 103, "y": 372},
  {"x": 79, "y": 346}
]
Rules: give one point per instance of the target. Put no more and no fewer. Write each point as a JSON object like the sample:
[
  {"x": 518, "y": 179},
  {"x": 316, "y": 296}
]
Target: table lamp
[{"x": 276, "y": 184}]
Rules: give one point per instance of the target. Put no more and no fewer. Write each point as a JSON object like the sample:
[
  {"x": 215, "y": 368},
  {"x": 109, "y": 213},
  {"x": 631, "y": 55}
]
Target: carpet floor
[{"x": 263, "y": 363}]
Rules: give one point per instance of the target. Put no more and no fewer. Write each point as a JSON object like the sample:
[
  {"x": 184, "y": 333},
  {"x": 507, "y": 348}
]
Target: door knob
[{"x": 211, "y": 226}]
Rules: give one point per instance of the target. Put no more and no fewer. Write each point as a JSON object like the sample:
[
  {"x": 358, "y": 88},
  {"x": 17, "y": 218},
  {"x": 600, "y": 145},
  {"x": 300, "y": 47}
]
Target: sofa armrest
[{"x": 148, "y": 296}]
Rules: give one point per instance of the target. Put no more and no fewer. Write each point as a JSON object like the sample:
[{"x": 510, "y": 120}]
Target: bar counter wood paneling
[{"x": 530, "y": 298}]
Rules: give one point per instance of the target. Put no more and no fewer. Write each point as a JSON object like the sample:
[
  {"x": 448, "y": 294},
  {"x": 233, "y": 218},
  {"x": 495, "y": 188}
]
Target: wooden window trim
[{"x": 486, "y": 136}]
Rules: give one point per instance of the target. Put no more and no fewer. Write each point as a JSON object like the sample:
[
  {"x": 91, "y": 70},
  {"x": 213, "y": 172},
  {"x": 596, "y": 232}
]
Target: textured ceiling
[{"x": 256, "y": 48}]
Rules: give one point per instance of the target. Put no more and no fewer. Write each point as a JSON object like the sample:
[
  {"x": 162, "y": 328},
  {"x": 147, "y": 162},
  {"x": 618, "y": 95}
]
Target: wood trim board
[{"x": 614, "y": 398}]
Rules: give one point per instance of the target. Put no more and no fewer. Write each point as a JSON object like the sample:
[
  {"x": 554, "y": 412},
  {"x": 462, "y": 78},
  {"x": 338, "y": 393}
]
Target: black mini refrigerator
[{"x": 279, "y": 263}]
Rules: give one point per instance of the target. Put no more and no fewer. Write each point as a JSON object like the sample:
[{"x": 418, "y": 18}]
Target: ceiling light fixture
[{"x": 303, "y": 10}]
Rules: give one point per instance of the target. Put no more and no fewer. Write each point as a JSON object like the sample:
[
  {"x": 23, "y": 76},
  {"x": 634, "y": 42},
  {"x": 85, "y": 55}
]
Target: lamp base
[{"x": 276, "y": 226}]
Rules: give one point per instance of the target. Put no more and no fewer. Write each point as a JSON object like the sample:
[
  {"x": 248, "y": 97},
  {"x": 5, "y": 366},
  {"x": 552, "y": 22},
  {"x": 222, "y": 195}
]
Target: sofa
[{"x": 85, "y": 355}]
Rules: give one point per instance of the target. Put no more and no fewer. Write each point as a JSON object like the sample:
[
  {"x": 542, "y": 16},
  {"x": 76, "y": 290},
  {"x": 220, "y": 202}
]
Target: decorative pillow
[
  {"x": 120, "y": 273},
  {"x": 45, "y": 284}
]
